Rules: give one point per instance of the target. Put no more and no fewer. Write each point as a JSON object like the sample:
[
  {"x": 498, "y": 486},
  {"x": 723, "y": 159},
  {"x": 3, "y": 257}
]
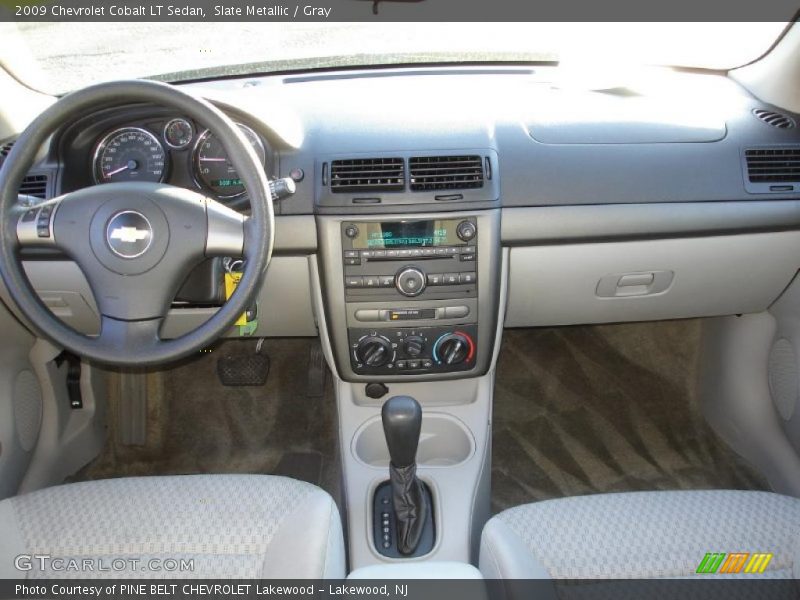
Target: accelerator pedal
[{"x": 317, "y": 371}]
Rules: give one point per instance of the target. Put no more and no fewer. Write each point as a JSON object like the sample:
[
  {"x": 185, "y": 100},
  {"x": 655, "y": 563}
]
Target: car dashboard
[{"x": 434, "y": 206}]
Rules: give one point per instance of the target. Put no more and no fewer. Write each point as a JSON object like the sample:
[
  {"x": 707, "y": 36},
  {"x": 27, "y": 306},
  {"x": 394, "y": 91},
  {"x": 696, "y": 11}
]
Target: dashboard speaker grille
[
  {"x": 775, "y": 119},
  {"x": 777, "y": 165},
  {"x": 445, "y": 172},
  {"x": 367, "y": 175}
]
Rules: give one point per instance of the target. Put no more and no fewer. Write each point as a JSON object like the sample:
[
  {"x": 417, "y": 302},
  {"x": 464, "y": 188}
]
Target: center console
[
  {"x": 411, "y": 298},
  {"x": 412, "y": 301}
]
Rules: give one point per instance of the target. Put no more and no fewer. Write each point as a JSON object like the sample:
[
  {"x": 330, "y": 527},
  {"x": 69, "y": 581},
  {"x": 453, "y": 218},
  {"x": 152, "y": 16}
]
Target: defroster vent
[
  {"x": 445, "y": 172},
  {"x": 356, "y": 175}
]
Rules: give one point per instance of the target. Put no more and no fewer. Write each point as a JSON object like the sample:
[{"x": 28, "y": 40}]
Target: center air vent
[
  {"x": 367, "y": 175},
  {"x": 775, "y": 119},
  {"x": 773, "y": 165},
  {"x": 34, "y": 185},
  {"x": 445, "y": 172}
]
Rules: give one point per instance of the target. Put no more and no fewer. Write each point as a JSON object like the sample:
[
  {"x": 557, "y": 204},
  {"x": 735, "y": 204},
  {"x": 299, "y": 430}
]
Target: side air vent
[
  {"x": 367, "y": 175},
  {"x": 34, "y": 185},
  {"x": 5, "y": 149},
  {"x": 773, "y": 165},
  {"x": 445, "y": 172},
  {"x": 775, "y": 119}
]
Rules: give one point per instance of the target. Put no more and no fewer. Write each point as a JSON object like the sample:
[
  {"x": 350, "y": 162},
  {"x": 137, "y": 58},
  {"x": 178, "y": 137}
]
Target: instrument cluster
[{"x": 173, "y": 150}]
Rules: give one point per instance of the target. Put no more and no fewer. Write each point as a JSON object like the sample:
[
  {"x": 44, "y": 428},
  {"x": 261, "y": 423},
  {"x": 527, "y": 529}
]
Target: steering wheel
[{"x": 135, "y": 242}]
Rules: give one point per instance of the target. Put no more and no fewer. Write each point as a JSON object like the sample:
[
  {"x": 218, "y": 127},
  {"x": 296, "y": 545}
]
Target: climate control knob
[
  {"x": 374, "y": 351},
  {"x": 413, "y": 345},
  {"x": 410, "y": 281},
  {"x": 453, "y": 348}
]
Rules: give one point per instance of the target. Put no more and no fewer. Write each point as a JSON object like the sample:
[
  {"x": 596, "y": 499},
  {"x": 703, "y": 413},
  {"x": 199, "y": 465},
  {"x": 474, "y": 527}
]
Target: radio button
[
  {"x": 450, "y": 279},
  {"x": 392, "y": 253},
  {"x": 386, "y": 281},
  {"x": 467, "y": 278},
  {"x": 354, "y": 282},
  {"x": 467, "y": 257},
  {"x": 429, "y": 252},
  {"x": 372, "y": 281},
  {"x": 379, "y": 254},
  {"x": 368, "y": 314},
  {"x": 456, "y": 312},
  {"x": 441, "y": 251},
  {"x": 351, "y": 253},
  {"x": 404, "y": 253},
  {"x": 352, "y": 261},
  {"x": 366, "y": 254},
  {"x": 435, "y": 278}
]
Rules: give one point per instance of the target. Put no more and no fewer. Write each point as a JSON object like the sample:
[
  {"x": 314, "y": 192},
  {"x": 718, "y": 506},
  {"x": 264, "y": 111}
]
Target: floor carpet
[
  {"x": 577, "y": 410},
  {"x": 197, "y": 425},
  {"x": 582, "y": 410}
]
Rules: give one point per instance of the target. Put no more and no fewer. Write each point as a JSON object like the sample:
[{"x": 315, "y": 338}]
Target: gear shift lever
[{"x": 402, "y": 420}]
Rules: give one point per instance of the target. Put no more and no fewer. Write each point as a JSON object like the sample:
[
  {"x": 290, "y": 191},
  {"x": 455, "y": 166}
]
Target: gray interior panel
[
  {"x": 617, "y": 118},
  {"x": 284, "y": 303},
  {"x": 566, "y": 224},
  {"x": 657, "y": 279}
]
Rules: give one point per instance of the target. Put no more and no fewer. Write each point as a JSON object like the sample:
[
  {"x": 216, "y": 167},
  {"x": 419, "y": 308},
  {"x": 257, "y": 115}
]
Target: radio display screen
[{"x": 407, "y": 234}]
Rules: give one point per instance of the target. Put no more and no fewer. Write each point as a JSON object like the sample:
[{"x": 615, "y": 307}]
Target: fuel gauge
[{"x": 178, "y": 133}]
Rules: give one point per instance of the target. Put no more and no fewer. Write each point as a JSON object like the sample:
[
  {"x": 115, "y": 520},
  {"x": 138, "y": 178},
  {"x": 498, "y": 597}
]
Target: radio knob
[
  {"x": 374, "y": 351},
  {"x": 414, "y": 345},
  {"x": 466, "y": 230},
  {"x": 351, "y": 231},
  {"x": 410, "y": 281}
]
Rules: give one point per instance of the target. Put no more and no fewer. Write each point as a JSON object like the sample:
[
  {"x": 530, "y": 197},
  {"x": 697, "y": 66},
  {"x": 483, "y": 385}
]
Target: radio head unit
[{"x": 410, "y": 259}]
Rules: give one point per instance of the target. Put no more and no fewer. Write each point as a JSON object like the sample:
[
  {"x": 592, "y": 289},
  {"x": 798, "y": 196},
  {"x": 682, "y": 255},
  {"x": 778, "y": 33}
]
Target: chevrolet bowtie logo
[{"x": 130, "y": 235}]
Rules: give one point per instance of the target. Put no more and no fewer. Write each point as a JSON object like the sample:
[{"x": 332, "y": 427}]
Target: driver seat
[{"x": 229, "y": 526}]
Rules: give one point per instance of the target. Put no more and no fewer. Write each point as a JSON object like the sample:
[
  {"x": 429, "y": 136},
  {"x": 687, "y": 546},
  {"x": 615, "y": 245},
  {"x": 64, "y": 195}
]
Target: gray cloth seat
[
  {"x": 642, "y": 535},
  {"x": 228, "y": 526}
]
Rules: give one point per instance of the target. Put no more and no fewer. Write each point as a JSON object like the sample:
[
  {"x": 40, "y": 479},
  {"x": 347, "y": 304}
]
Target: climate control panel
[{"x": 413, "y": 350}]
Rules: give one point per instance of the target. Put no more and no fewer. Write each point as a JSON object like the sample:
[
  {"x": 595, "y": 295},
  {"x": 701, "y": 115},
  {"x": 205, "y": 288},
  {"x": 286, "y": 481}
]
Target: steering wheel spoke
[
  {"x": 116, "y": 334},
  {"x": 225, "y": 235},
  {"x": 35, "y": 223}
]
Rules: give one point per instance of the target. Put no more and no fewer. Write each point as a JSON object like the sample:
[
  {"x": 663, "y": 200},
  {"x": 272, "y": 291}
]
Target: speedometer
[
  {"x": 212, "y": 167},
  {"x": 129, "y": 154}
]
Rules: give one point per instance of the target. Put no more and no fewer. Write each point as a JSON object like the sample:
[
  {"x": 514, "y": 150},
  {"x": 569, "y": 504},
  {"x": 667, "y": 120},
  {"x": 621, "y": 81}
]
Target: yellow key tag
[{"x": 231, "y": 281}]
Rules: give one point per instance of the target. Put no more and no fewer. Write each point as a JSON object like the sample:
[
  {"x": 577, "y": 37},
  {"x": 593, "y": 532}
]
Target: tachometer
[
  {"x": 129, "y": 154},
  {"x": 212, "y": 167}
]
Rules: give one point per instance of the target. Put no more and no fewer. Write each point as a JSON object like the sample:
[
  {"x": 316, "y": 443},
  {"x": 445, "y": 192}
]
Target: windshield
[{"x": 59, "y": 57}]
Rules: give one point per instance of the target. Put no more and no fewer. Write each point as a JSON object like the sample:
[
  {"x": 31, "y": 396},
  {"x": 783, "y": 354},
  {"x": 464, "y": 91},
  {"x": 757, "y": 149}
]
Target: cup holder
[{"x": 444, "y": 442}]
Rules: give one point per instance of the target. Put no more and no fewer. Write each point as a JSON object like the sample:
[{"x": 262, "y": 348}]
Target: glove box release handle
[{"x": 625, "y": 285}]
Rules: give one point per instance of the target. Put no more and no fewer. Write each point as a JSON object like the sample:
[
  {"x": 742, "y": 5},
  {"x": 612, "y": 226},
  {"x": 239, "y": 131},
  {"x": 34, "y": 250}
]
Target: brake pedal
[{"x": 244, "y": 369}]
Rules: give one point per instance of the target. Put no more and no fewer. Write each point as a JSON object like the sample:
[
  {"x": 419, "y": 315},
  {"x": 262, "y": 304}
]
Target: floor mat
[
  {"x": 197, "y": 425},
  {"x": 581, "y": 410}
]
